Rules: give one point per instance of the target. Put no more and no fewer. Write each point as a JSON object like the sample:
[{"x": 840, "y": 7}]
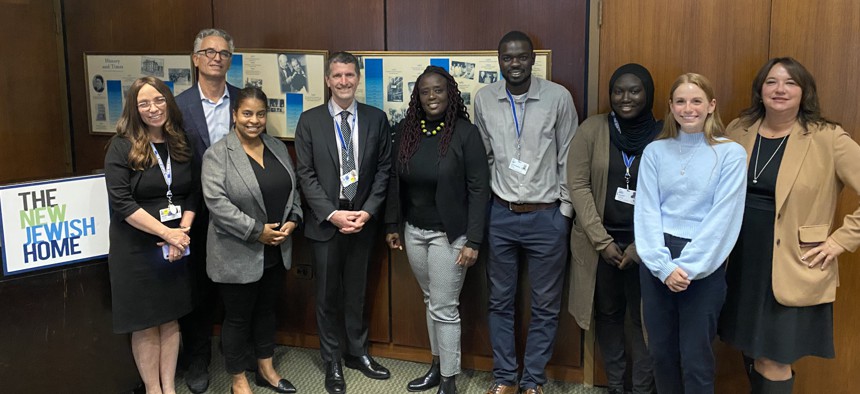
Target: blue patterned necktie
[{"x": 347, "y": 156}]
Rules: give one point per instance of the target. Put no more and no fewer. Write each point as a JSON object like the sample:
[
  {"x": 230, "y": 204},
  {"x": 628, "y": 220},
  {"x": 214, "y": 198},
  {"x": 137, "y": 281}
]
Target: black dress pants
[{"x": 249, "y": 317}]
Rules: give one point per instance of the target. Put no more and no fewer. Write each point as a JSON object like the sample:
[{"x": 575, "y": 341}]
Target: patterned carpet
[{"x": 304, "y": 369}]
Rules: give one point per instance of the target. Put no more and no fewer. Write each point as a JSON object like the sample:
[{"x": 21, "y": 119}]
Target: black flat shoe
[
  {"x": 428, "y": 381},
  {"x": 367, "y": 365},
  {"x": 284, "y": 385},
  {"x": 334, "y": 382}
]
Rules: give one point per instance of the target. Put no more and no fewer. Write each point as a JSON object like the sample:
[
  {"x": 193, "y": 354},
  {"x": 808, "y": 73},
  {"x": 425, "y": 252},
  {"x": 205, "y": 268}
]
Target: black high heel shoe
[{"x": 284, "y": 385}]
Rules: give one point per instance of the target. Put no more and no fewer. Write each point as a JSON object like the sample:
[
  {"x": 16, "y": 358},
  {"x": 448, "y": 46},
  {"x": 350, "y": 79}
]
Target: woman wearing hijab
[{"x": 604, "y": 164}]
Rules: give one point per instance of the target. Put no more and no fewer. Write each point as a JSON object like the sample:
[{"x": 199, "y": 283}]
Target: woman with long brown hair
[
  {"x": 153, "y": 195},
  {"x": 783, "y": 272},
  {"x": 437, "y": 195}
]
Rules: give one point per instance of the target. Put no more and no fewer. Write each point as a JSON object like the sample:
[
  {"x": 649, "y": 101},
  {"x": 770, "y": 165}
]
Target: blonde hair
[{"x": 713, "y": 125}]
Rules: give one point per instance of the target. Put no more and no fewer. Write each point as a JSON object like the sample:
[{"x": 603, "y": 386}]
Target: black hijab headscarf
[{"x": 635, "y": 133}]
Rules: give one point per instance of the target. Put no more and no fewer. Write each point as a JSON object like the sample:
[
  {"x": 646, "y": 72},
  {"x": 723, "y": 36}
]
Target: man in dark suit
[
  {"x": 343, "y": 154},
  {"x": 206, "y": 119}
]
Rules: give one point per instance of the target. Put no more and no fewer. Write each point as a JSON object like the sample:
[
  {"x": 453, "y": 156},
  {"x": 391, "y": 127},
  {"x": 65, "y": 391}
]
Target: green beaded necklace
[{"x": 433, "y": 132}]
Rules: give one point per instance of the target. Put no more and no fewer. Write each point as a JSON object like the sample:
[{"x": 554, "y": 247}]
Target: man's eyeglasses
[
  {"x": 210, "y": 53},
  {"x": 158, "y": 101}
]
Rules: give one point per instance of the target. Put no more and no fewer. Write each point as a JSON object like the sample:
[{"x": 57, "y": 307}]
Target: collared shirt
[
  {"x": 335, "y": 111},
  {"x": 547, "y": 122},
  {"x": 217, "y": 115}
]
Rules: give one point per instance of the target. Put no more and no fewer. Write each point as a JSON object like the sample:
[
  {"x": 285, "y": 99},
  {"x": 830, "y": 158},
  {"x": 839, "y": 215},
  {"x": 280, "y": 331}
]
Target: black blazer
[
  {"x": 194, "y": 122},
  {"x": 462, "y": 188},
  {"x": 318, "y": 166}
]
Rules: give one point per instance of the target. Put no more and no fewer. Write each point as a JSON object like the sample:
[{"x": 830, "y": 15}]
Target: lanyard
[
  {"x": 628, "y": 160},
  {"x": 514, "y": 113},
  {"x": 516, "y": 120},
  {"x": 166, "y": 172},
  {"x": 339, "y": 133}
]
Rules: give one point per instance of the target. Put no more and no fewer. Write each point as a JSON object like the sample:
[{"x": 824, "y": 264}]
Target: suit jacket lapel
[
  {"x": 330, "y": 140},
  {"x": 795, "y": 152},
  {"x": 199, "y": 120},
  {"x": 242, "y": 163},
  {"x": 363, "y": 132}
]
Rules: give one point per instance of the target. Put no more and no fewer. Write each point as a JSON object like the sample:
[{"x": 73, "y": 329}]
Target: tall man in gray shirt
[{"x": 527, "y": 125}]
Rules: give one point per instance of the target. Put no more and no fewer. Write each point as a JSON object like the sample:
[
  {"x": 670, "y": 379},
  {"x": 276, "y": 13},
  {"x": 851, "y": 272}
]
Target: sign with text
[{"x": 46, "y": 224}]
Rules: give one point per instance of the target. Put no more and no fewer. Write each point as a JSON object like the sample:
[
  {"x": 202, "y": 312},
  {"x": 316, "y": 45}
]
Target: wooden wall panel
[
  {"x": 110, "y": 26},
  {"x": 724, "y": 40},
  {"x": 32, "y": 104},
  {"x": 293, "y": 24},
  {"x": 56, "y": 334},
  {"x": 447, "y": 25},
  {"x": 478, "y": 25},
  {"x": 824, "y": 38}
]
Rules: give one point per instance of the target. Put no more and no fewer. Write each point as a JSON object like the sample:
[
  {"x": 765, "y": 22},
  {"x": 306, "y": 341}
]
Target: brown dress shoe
[
  {"x": 536, "y": 390},
  {"x": 498, "y": 388}
]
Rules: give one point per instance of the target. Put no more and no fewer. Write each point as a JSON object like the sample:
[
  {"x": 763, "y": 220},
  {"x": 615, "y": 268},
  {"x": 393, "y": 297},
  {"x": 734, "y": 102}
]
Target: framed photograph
[
  {"x": 108, "y": 76},
  {"x": 388, "y": 78},
  {"x": 293, "y": 80}
]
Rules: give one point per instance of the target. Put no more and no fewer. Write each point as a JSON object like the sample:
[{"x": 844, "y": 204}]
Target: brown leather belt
[{"x": 524, "y": 207}]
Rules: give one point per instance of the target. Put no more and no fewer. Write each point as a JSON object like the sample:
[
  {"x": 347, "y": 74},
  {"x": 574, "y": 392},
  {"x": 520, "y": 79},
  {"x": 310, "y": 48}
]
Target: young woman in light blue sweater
[{"x": 687, "y": 217}]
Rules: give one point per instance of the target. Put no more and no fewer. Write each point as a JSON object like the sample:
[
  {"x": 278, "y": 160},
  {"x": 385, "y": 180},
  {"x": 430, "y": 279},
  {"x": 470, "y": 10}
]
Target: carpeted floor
[{"x": 303, "y": 368}]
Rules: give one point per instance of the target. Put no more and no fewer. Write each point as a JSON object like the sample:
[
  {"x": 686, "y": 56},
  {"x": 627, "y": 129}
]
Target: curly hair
[
  {"x": 411, "y": 130},
  {"x": 130, "y": 126}
]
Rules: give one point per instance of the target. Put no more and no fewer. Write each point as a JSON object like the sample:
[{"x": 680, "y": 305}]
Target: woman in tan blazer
[
  {"x": 604, "y": 162},
  {"x": 782, "y": 274}
]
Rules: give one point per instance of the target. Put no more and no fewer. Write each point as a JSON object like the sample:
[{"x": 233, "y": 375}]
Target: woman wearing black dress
[
  {"x": 782, "y": 274},
  {"x": 250, "y": 188},
  {"x": 437, "y": 195},
  {"x": 153, "y": 196}
]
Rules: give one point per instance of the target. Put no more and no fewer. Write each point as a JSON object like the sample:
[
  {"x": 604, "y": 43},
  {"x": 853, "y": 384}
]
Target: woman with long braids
[{"x": 437, "y": 197}]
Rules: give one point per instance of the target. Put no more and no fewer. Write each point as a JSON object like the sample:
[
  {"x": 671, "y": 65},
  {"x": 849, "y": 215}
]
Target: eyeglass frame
[
  {"x": 146, "y": 105},
  {"x": 225, "y": 54}
]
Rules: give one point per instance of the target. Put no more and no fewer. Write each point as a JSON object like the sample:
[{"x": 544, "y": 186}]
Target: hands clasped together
[{"x": 274, "y": 236}]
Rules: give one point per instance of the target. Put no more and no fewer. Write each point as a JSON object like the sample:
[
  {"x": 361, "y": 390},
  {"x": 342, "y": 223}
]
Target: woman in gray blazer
[{"x": 250, "y": 188}]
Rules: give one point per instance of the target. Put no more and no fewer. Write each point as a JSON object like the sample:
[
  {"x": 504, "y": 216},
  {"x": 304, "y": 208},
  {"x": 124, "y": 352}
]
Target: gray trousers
[{"x": 433, "y": 259}]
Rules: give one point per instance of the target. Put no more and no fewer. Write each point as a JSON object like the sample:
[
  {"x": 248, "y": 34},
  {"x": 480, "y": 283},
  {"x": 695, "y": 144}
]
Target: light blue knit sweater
[{"x": 691, "y": 190}]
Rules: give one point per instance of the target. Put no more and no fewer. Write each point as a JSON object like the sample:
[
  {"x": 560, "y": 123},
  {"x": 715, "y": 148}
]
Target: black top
[
  {"x": 761, "y": 194},
  {"x": 462, "y": 187},
  {"x": 146, "y": 289},
  {"x": 617, "y": 215},
  {"x": 275, "y": 185},
  {"x": 418, "y": 183}
]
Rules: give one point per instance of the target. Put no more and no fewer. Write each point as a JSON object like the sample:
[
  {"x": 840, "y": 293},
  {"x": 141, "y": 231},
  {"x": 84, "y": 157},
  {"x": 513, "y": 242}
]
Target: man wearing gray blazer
[{"x": 343, "y": 162}]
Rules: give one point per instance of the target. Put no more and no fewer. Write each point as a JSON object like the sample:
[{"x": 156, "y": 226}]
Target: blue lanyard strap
[
  {"x": 340, "y": 134},
  {"x": 628, "y": 160},
  {"x": 166, "y": 171},
  {"x": 514, "y": 113}
]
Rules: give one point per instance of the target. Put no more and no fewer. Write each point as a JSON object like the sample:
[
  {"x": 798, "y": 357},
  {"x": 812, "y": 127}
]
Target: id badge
[
  {"x": 349, "y": 178},
  {"x": 172, "y": 212},
  {"x": 520, "y": 167},
  {"x": 624, "y": 195}
]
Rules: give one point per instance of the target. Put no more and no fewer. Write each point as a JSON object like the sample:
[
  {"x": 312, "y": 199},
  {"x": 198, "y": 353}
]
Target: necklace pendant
[
  {"x": 683, "y": 172},
  {"x": 755, "y": 180}
]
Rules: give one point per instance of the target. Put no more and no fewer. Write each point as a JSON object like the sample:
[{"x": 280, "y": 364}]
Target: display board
[
  {"x": 292, "y": 80},
  {"x": 51, "y": 223},
  {"x": 108, "y": 77},
  {"x": 387, "y": 78}
]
